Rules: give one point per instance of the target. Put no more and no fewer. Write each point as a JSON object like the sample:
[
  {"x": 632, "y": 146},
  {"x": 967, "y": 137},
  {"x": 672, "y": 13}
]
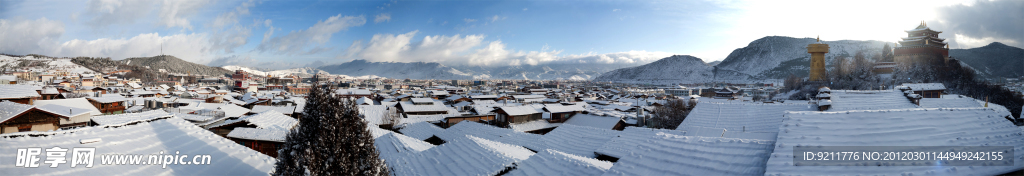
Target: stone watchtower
[{"x": 817, "y": 51}]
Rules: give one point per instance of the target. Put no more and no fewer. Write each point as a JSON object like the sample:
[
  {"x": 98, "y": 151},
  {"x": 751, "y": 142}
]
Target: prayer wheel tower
[{"x": 817, "y": 51}]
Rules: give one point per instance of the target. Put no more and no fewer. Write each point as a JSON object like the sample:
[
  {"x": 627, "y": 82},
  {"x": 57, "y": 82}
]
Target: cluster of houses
[{"x": 492, "y": 129}]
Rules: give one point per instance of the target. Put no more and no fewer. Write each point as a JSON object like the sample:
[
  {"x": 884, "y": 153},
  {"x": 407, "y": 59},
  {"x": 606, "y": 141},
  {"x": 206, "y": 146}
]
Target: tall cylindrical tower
[{"x": 817, "y": 51}]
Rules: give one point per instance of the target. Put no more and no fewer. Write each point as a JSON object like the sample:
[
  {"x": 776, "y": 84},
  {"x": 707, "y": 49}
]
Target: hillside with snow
[
  {"x": 676, "y": 69},
  {"x": 301, "y": 72},
  {"x": 42, "y": 64}
]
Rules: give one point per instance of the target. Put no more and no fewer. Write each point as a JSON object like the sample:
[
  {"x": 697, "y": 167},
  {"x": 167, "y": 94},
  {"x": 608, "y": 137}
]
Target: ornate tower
[
  {"x": 922, "y": 45},
  {"x": 817, "y": 51}
]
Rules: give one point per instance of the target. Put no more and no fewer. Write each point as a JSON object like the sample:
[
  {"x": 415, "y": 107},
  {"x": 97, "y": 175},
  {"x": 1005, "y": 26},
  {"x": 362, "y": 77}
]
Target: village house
[
  {"x": 927, "y": 90},
  {"x": 516, "y": 114},
  {"x": 23, "y": 94}
]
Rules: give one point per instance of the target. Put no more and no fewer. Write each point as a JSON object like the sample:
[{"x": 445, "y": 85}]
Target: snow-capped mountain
[
  {"x": 301, "y": 72},
  {"x": 766, "y": 58},
  {"x": 674, "y": 69}
]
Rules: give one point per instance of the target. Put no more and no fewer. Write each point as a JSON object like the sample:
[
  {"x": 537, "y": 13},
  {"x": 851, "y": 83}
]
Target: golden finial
[{"x": 819, "y": 38}]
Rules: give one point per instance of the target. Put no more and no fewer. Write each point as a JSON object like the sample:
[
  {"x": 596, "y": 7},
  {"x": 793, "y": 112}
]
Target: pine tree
[{"x": 331, "y": 139}]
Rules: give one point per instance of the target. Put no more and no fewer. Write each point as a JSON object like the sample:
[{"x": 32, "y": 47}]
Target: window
[{"x": 24, "y": 128}]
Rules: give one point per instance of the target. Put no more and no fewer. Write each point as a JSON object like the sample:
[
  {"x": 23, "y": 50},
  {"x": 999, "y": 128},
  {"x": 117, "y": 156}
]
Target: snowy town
[{"x": 937, "y": 109}]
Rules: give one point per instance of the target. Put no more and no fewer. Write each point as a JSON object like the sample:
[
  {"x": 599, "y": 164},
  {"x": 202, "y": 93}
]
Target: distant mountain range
[{"x": 776, "y": 57}]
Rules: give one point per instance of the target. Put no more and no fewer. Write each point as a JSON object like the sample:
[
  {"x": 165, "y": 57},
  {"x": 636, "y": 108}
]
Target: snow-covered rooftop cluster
[
  {"x": 463, "y": 155},
  {"x": 168, "y": 136},
  {"x": 895, "y": 127}
]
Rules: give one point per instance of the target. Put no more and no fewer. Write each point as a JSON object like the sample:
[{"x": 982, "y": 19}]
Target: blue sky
[{"x": 287, "y": 34}]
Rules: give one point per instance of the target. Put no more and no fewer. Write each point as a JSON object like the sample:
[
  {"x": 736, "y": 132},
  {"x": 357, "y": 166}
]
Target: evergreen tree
[{"x": 331, "y": 139}]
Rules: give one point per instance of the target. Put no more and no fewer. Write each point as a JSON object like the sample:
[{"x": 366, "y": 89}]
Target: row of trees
[{"x": 330, "y": 139}]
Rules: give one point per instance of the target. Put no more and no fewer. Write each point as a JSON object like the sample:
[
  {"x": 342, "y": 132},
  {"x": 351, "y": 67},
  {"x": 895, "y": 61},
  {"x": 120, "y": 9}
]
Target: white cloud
[
  {"x": 108, "y": 12},
  {"x": 965, "y": 42},
  {"x": 474, "y": 50},
  {"x": 525, "y": 9},
  {"x": 30, "y": 36},
  {"x": 228, "y": 33},
  {"x": 297, "y": 42},
  {"x": 231, "y": 17},
  {"x": 616, "y": 10},
  {"x": 189, "y": 47},
  {"x": 175, "y": 13},
  {"x": 467, "y": 20},
  {"x": 382, "y": 18},
  {"x": 496, "y": 18}
]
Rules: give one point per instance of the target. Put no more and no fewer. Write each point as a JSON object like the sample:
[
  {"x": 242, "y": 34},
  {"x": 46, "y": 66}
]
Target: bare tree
[{"x": 670, "y": 115}]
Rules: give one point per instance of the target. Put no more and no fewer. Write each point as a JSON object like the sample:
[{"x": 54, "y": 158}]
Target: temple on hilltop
[{"x": 922, "y": 45}]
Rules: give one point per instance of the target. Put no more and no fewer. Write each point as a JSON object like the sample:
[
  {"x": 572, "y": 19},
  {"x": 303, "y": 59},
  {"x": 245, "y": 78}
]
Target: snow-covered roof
[
  {"x": 590, "y": 120},
  {"x": 578, "y": 140},
  {"x": 843, "y": 100},
  {"x": 63, "y": 110},
  {"x": 895, "y": 127},
  {"x": 556, "y": 108},
  {"x": 533, "y": 125},
  {"x": 270, "y": 134},
  {"x": 193, "y": 117},
  {"x": 364, "y": 100},
  {"x": 463, "y": 155},
  {"x": 950, "y": 101},
  {"x": 410, "y": 107},
  {"x": 421, "y": 130},
  {"x": 421, "y": 100},
  {"x": 353, "y": 92},
  {"x": 168, "y": 135},
  {"x": 925, "y": 86},
  {"x": 504, "y": 135},
  {"x": 629, "y": 139},
  {"x": 267, "y": 119},
  {"x": 669, "y": 154},
  {"x": 10, "y": 109},
  {"x": 15, "y": 91},
  {"x": 529, "y": 96},
  {"x": 553, "y": 162},
  {"x": 438, "y": 92},
  {"x": 80, "y": 103},
  {"x": 394, "y": 147},
  {"x": 108, "y": 98},
  {"x": 126, "y": 118},
  {"x": 287, "y": 110},
  {"x": 484, "y": 96},
  {"x": 519, "y": 110},
  {"x": 373, "y": 114},
  {"x": 232, "y": 110},
  {"x": 49, "y": 90}
]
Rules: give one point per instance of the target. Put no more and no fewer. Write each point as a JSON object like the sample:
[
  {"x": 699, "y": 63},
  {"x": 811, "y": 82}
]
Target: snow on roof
[
  {"x": 464, "y": 103},
  {"x": 925, "y": 86},
  {"x": 394, "y": 147},
  {"x": 168, "y": 135},
  {"x": 895, "y": 127},
  {"x": 410, "y": 107},
  {"x": 484, "y": 96},
  {"x": 438, "y": 92},
  {"x": 533, "y": 125},
  {"x": 629, "y": 139},
  {"x": 267, "y": 119},
  {"x": 232, "y": 110},
  {"x": 843, "y": 100},
  {"x": 364, "y": 100},
  {"x": 553, "y": 162},
  {"x": 591, "y": 120},
  {"x": 126, "y": 118},
  {"x": 519, "y": 110},
  {"x": 555, "y": 108},
  {"x": 373, "y": 114},
  {"x": 10, "y": 109},
  {"x": 281, "y": 109},
  {"x": 353, "y": 91},
  {"x": 63, "y": 110},
  {"x": 49, "y": 90},
  {"x": 578, "y": 140},
  {"x": 529, "y": 96},
  {"x": 421, "y": 130},
  {"x": 463, "y": 155},
  {"x": 15, "y": 91},
  {"x": 421, "y": 100},
  {"x": 193, "y": 117},
  {"x": 108, "y": 98},
  {"x": 669, "y": 154},
  {"x": 503, "y": 135},
  {"x": 950, "y": 101},
  {"x": 80, "y": 103},
  {"x": 270, "y": 134},
  {"x": 376, "y": 131}
]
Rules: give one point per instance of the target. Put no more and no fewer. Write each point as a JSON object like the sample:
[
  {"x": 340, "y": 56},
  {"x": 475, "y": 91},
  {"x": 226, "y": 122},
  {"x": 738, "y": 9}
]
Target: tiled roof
[
  {"x": 421, "y": 130},
  {"x": 503, "y": 135},
  {"x": 8, "y": 91},
  {"x": 269, "y": 134},
  {"x": 463, "y": 155},
  {"x": 578, "y": 140},
  {"x": 126, "y": 118},
  {"x": 553, "y": 162},
  {"x": 668, "y": 154}
]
